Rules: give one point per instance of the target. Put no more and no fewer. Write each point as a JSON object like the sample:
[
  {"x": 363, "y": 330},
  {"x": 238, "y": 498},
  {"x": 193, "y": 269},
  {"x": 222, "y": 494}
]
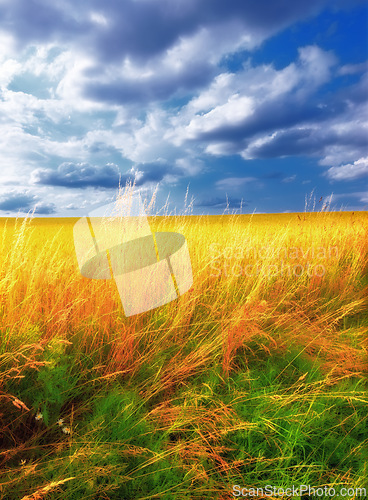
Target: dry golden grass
[{"x": 248, "y": 303}]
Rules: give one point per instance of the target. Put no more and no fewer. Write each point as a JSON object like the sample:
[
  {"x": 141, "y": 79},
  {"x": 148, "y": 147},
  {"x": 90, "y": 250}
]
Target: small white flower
[
  {"x": 23, "y": 462},
  {"x": 60, "y": 422},
  {"x": 39, "y": 416},
  {"x": 66, "y": 430}
]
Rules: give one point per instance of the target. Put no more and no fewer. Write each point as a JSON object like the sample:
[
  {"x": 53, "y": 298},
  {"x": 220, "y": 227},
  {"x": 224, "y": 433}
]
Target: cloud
[
  {"x": 257, "y": 100},
  {"x": 357, "y": 170},
  {"x": 17, "y": 201},
  {"x": 83, "y": 175},
  {"x": 185, "y": 67},
  {"x": 319, "y": 137},
  {"x": 24, "y": 201},
  {"x": 154, "y": 172},
  {"x": 352, "y": 69},
  {"x": 141, "y": 51},
  {"x": 229, "y": 115},
  {"x": 291, "y": 178},
  {"x": 362, "y": 195},
  {"x": 286, "y": 114},
  {"x": 45, "y": 208},
  {"x": 220, "y": 202},
  {"x": 234, "y": 182},
  {"x": 143, "y": 29},
  {"x": 79, "y": 175}
]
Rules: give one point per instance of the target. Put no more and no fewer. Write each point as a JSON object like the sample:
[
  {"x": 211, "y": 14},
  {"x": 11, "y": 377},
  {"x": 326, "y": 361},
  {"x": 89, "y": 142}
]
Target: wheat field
[{"x": 257, "y": 376}]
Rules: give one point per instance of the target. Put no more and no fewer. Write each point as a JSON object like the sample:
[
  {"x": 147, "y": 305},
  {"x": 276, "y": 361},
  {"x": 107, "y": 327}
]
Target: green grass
[{"x": 275, "y": 421}]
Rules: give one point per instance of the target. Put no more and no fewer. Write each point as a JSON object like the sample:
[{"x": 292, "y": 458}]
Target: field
[{"x": 257, "y": 376}]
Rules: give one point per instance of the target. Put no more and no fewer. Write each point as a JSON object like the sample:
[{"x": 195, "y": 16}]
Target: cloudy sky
[{"x": 246, "y": 101}]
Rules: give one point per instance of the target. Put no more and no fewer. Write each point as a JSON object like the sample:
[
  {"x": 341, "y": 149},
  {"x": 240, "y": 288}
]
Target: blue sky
[{"x": 253, "y": 102}]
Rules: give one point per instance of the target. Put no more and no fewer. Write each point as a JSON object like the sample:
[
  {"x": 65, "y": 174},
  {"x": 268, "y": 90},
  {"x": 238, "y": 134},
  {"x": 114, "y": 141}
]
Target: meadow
[{"x": 257, "y": 376}]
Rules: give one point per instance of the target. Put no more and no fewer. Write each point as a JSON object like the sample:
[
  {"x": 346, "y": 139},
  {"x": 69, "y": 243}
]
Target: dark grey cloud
[
  {"x": 275, "y": 114},
  {"x": 25, "y": 202},
  {"x": 144, "y": 29},
  {"x": 83, "y": 175},
  {"x": 141, "y": 29},
  {"x": 292, "y": 142},
  {"x": 17, "y": 201},
  {"x": 45, "y": 208},
  {"x": 309, "y": 142},
  {"x": 40, "y": 21},
  {"x": 79, "y": 175},
  {"x": 159, "y": 87}
]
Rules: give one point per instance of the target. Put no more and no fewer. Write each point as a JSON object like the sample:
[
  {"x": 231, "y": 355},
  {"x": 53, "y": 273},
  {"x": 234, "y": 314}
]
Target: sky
[{"x": 248, "y": 106}]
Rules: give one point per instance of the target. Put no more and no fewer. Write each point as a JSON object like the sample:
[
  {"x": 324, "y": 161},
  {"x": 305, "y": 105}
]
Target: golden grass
[
  {"x": 43, "y": 295},
  {"x": 247, "y": 294}
]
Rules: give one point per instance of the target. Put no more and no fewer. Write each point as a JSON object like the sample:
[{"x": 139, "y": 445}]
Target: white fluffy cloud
[{"x": 356, "y": 170}]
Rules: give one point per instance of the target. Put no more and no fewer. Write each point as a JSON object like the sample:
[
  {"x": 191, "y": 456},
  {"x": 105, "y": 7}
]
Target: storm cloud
[
  {"x": 25, "y": 202},
  {"x": 79, "y": 175}
]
